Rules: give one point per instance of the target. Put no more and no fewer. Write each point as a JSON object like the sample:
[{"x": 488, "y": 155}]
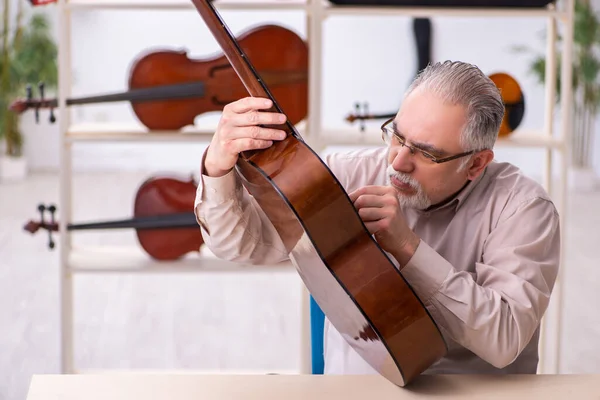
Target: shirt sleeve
[
  {"x": 233, "y": 226},
  {"x": 495, "y": 312}
]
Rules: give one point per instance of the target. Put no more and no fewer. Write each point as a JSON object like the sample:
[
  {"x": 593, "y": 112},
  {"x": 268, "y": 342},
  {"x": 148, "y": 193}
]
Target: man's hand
[
  {"x": 240, "y": 129},
  {"x": 379, "y": 208}
]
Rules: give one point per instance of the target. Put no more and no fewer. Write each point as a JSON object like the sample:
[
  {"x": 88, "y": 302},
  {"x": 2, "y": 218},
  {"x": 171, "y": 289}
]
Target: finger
[
  {"x": 257, "y": 132},
  {"x": 254, "y": 118},
  {"x": 371, "y": 189},
  {"x": 371, "y": 214},
  {"x": 239, "y": 145},
  {"x": 371, "y": 200},
  {"x": 372, "y": 227},
  {"x": 248, "y": 104},
  {"x": 356, "y": 194}
]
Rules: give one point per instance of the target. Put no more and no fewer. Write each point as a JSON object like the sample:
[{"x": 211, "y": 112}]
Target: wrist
[
  {"x": 211, "y": 169},
  {"x": 407, "y": 249}
]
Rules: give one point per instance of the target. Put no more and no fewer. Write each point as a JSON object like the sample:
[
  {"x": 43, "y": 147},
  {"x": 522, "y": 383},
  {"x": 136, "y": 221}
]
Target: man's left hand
[{"x": 379, "y": 208}]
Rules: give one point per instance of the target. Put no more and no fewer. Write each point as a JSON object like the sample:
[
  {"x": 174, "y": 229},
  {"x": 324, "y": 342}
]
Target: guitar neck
[
  {"x": 169, "y": 221},
  {"x": 239, "y": 61}
]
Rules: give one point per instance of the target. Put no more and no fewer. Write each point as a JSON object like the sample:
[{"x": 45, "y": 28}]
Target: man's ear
[{"x": 478, "y": 163}]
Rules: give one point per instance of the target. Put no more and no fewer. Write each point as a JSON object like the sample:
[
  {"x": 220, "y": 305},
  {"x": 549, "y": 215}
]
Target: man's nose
[{"x": 403, "y": 160}]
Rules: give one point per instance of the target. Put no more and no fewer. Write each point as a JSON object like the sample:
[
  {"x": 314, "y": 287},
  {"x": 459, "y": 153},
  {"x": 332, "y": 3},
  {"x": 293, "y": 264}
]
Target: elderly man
[{"x": 477, "y": 240}]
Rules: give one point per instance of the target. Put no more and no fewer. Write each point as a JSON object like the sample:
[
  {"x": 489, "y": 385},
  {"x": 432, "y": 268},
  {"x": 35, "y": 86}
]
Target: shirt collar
[{"x": 460, "y": 197}]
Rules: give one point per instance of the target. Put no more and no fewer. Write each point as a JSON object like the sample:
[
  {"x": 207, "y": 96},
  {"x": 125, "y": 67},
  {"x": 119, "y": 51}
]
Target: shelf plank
[
  {"x": 132, "y": 259},
  {"x": 372, "y": 137},
  {"x": 428, "y": 12},
  {"x": 115, "y": 132},
  {"x": 102, "y": 132},
  {"x": 187, "y": 5}
]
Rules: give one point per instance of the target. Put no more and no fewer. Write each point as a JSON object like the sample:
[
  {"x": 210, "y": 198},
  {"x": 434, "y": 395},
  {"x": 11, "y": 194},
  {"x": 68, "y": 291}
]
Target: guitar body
[
  {"x": 284, "y": 68},
  {"x": 356, "y": 285}
]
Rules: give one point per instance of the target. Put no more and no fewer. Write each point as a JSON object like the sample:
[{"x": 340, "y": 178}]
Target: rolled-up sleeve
[
  {"x": 233, "y": 226},
  {"x": 495, "y": 311}
]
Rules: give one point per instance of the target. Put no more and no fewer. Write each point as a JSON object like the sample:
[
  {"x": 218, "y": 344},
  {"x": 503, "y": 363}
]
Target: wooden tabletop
[{"x": 156, "y": 386}]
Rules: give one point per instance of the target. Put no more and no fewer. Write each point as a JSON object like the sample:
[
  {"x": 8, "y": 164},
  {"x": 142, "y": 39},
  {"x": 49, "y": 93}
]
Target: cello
[
  {"x": 164, "y": 219},
  {"x": 168, "y": 89},
  {"x": 351, "y": 278}
]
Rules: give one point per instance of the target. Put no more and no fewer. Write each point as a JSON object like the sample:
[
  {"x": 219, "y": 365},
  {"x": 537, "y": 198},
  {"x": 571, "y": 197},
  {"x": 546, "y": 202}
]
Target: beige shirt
[{"x": 485, "y": 266}]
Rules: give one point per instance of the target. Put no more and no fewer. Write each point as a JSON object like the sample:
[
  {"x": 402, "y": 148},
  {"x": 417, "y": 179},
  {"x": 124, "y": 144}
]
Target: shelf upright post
[
  {"x": 566, "y": 101},
  {"x": 550, "y": 98},
  {"x": 65, "y": 176},
  {"x": 314, "y": 19}
]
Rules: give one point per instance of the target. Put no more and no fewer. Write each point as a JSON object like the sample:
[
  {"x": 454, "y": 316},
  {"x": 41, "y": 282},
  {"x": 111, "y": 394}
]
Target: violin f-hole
[
  {"x": 218, "y": 67},
  {"x": 215, "y": 100}
]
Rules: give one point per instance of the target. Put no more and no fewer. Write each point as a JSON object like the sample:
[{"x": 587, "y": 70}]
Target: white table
[{"x": 156, "y": 386}]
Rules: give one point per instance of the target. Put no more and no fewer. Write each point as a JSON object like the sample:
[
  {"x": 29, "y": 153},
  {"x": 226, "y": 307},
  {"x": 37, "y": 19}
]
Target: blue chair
[{"x": 317, "y": 321}]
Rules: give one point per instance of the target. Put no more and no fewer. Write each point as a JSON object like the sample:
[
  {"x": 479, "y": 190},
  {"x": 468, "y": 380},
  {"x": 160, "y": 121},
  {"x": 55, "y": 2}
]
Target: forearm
[
  {"x": 233, "y": 226},
  {"x": 494, "y": 316}
]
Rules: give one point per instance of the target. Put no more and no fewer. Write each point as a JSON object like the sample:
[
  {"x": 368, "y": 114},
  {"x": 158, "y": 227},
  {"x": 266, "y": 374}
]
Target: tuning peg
[
  {"x": 52, "y": 209},
  {"x": 365, "y": 113},
  {"x": 29, "y": 93},
  {"x": 52, "y": 118},
  {"x": 41, "y": 209},
  {"x": 41, "y": 89}
]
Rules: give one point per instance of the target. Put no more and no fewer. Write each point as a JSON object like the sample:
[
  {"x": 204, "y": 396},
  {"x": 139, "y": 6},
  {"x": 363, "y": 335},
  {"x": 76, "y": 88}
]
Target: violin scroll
[{"x": 52, "y": 226}]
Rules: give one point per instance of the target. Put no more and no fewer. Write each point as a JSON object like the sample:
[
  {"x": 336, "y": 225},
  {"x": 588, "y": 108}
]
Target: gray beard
[{"x": 419, "y": 200}]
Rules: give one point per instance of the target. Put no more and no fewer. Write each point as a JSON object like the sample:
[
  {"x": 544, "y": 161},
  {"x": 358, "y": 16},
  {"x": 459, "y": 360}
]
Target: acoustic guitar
[{"x": 351, "y": 278}]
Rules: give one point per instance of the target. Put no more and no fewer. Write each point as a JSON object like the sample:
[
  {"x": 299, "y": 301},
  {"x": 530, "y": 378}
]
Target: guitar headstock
[
  {"x": 22, "y": 105},
  {"x": 33, "y": 226}
]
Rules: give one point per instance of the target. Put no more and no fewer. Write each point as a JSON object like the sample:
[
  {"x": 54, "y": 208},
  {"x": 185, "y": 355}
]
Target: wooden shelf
[
  {"x": 115, "y": 132},
  {"x": 132, "y": 259},
  {"x": 109, "y": 132},
  {"x": 187, "y": 5},
  {"x": 372, "y": 137},
  {"x": 329, "y": 8},
  {"x": 425, "y": 12}
]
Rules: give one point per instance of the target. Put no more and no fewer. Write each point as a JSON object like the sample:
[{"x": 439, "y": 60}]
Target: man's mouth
[{"x": 401, "y": 186}]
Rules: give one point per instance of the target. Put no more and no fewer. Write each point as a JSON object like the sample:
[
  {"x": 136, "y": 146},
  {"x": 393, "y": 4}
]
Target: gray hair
[{"x": 462, "y": 83}]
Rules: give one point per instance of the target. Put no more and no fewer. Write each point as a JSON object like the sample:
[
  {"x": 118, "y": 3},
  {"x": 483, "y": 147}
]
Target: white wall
[{"x": 370, "y": 58}]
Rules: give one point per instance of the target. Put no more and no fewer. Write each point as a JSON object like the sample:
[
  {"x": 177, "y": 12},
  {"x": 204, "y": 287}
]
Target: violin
[
  {"x": 164, "y": 219},
  {"x": 512, "y": 97},
  {"x": 168, "y": 89}
]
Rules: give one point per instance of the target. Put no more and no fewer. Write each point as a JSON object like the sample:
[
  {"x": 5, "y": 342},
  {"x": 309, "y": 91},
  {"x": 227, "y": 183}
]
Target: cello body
[
  {"x": 285, "y": 67},
  {"x": 164, "y": 219},
  {"x": 168, "y": 89},
  {"x": 164, "y": 197},
  {"x": 357, "y": 286}
]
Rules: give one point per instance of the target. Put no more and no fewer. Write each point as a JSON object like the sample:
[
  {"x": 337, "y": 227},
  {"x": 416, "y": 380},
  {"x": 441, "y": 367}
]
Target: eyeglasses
[{"x": 391, "y": 137}]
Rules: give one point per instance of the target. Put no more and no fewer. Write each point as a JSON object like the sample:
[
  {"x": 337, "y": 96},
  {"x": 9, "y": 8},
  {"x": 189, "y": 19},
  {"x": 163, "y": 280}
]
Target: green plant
[
  {"x": 585, "y": 83},
  {"x": 28, "y": 54}
]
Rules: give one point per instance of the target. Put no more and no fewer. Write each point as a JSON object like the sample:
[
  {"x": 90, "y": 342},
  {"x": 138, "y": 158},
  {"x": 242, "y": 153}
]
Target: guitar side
[{"x": 354, "y": 282}]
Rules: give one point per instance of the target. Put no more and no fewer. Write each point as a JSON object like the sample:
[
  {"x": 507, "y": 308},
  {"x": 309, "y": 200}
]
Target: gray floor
[{"x": 196, "y": 321}]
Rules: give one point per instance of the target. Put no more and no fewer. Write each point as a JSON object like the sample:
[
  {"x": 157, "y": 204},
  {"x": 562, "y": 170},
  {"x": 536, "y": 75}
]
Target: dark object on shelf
[{"x": 447, "y": 3}]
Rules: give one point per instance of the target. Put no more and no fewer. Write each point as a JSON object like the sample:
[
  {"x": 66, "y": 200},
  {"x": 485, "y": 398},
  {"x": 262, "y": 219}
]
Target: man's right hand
[{"x": 239, "y": 130}]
